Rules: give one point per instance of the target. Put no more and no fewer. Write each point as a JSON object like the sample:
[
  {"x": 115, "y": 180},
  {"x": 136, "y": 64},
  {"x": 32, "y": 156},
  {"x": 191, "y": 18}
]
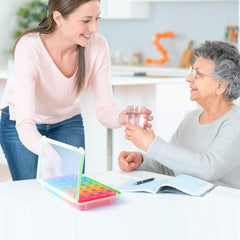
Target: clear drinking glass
[{"x": 135, "y": 115}]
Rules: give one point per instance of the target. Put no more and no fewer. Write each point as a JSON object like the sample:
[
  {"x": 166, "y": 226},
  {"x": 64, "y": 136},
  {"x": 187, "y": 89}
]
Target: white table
[{"x": 29, "y": 212}]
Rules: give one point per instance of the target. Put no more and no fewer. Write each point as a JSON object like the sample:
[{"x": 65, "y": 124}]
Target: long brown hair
[{"x": 48, "y": 25}]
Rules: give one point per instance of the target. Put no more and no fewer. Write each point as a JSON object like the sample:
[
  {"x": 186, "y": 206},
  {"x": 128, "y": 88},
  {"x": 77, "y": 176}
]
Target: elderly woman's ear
[{"x": 221, "y": 87}]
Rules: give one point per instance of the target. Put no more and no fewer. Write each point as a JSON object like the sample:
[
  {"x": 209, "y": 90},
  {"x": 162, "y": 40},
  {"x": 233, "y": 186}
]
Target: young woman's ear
[{"x": 57, "y": 16}]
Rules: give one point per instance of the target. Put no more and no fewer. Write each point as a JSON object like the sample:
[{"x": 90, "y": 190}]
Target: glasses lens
[{"x": 193, "y": 71}]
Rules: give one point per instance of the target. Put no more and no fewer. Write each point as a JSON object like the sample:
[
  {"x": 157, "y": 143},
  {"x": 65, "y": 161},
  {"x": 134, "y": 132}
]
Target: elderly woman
[{"x": 207, "y": 142}]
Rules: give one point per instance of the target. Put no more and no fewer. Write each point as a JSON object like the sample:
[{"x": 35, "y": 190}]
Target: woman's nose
[
  {"x": 189, "y": 78},
  {"x": 94, "y": 27}
]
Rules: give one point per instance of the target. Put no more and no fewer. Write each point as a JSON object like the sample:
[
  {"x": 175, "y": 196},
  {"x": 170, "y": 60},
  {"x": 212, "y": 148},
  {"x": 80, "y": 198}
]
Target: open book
[{"x": 179, "y": 184}]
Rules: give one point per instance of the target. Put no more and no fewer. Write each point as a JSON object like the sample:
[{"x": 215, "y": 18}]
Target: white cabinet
[
  {"x": 124, "y": 9},
  {"x": 169, "y": 102},
  {"x": 95, "y": 136},
  {"x": 168, "y": 98}
]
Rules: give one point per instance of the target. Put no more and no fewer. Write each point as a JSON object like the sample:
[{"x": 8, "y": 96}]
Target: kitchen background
[
  {"x": 129, "y": 27},
  {"x": 189, "y": 20}
]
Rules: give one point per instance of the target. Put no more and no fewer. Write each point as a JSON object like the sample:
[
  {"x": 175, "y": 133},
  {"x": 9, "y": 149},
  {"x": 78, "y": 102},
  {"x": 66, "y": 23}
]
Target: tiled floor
[{"x": 4, "y": 173}]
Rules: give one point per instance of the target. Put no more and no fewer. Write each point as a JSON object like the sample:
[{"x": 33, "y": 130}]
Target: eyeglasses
[{"x": 197, "y": 75}]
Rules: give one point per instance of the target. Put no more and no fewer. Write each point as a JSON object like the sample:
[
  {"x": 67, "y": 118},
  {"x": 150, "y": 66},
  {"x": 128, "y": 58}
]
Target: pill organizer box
[
  {"x": 60, "y": 169},
  {"x": 92, "y": 194}
]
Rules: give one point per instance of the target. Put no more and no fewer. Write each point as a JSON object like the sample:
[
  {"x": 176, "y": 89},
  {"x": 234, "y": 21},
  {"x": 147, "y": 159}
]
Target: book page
[
  {"x": 151, "y": 187},
  {"x": 190, "y": 185},
  {"x": 179, "y": 184}
]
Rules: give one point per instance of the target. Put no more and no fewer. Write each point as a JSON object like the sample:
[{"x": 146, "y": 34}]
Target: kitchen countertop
[
  {"x": 131, "y": 80},
  {"x": 126, "y": 75},
  {"x": 131, "y": 75},
  {"x": 122, "y": 69}
]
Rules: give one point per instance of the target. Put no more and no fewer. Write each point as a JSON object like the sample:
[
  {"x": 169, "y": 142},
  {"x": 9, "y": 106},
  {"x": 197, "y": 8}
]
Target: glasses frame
[{"x": 196, "y": 74}]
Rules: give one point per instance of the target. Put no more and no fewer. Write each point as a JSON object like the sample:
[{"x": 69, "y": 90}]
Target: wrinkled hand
[
  {"x": 51, "y": 162},
  {"x": 141, "y": 138},
  {"x": 123, "y": 117},
  {"x": 129, "y": 161}
]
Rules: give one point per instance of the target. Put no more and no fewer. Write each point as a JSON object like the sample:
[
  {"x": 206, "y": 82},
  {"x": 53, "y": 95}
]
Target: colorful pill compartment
[
  {"x": 92, "y": 193},
  {"x": 65, "y": 179}
]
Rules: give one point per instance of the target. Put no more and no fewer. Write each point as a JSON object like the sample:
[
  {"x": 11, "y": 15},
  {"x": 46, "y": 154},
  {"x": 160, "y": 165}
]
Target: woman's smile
[
  {"x": 193, "y": 89},
  {"x": 86, "y": 36}
]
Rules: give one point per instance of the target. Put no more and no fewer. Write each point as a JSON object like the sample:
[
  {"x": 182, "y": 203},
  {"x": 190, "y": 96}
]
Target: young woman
[{"x": 54, "y": 64}]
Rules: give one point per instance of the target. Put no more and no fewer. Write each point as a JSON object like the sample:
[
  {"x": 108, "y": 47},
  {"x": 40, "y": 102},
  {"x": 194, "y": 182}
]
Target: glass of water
[{"x": 135, "y": 115}]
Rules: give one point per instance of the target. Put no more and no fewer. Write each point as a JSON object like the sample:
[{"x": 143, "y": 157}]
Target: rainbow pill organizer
[
  {"x": 92, "y": 193},
  {"x": 65, "y": 179}
]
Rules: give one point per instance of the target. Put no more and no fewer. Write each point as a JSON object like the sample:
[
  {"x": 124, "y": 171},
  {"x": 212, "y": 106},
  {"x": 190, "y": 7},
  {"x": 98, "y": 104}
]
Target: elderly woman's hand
[
  {"x": 123, "y": 117},
  {"x": 129, "y": 161},
  {"x": 141, "y": 138}
]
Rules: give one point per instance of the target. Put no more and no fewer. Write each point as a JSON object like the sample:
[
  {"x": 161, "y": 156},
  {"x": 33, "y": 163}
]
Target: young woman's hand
[
  {"x": 123, "y": 117},
  {"x": 51, "y": 162}
]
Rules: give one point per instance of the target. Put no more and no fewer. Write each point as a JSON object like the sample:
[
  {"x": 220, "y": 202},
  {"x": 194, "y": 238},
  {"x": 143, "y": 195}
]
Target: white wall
[
  {"x": 7, "y": 24},
  {"x": 190, "y": 20},
  {"x": 8, "y": 20},
  {"x": 195, "y": 21}
]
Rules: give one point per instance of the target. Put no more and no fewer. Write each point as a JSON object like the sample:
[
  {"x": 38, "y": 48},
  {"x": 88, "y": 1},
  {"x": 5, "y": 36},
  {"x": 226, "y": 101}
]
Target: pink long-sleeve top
[{"x": 38, "y": 93}]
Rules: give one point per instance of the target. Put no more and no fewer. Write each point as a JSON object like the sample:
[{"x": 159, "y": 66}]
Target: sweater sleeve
[
  {"x": 25, "y": 75},
  {"x": 107, "y": 110},
  {"x": 151, "y": 165},
  {"x": 221, "y": 157}
]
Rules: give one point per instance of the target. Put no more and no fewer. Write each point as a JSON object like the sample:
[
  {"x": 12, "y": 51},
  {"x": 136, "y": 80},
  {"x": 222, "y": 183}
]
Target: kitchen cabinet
[
  {"x": 124, "y": 9},
  {"x": 168, "y": 98}
]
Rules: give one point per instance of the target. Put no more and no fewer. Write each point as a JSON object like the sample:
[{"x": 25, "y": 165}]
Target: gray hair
[{"x": 226, "y": 58}]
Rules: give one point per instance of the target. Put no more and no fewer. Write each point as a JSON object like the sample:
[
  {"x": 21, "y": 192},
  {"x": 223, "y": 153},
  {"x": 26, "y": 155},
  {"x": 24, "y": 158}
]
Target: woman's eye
[
  {"x": 87, "y": 21},
  {"x": 198, "y": 74}
]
